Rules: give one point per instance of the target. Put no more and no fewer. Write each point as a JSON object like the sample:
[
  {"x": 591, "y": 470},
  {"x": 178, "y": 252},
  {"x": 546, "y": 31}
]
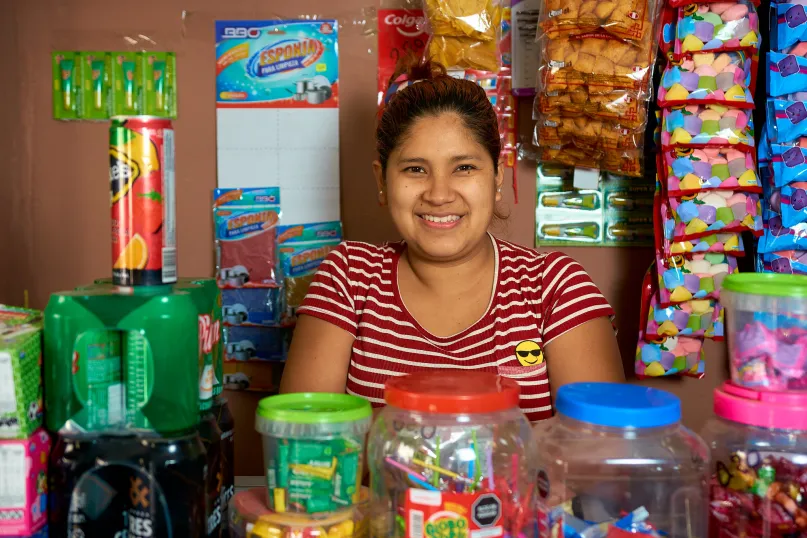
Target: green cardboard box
[{"x": 20, "y": 372}]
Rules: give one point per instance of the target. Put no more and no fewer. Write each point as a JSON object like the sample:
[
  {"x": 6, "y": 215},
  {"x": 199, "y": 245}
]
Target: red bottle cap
[{"x": 452, "y": 392}]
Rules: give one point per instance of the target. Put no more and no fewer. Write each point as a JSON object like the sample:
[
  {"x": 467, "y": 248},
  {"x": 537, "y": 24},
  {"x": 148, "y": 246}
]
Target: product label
[
  {"x": 138, "y": 378},
  {"x": 209, "y": 336},
  {"x": 435, "y": 514},
  {"x": 8, "y": 397},
  {"x": 277, "y": 64},
  {"x": 400, "y": 32},
  {"x": 14, "y": 484},
  {"x": 98, "y": 379}
]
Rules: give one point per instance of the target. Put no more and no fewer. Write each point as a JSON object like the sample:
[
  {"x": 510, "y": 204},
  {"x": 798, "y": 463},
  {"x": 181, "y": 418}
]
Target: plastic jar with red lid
[
  {"x": 758, "y": 487},
  {"x": 450, "y": 455}
]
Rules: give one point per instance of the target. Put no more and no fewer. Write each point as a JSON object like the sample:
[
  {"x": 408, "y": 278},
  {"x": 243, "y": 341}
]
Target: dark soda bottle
[
  {"x": 211, "y": 439},
  {"x": 226, "y": 424}
]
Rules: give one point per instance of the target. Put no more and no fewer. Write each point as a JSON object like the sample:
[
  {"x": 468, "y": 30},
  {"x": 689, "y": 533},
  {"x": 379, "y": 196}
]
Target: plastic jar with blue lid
[{"x": 617, "y": 460}]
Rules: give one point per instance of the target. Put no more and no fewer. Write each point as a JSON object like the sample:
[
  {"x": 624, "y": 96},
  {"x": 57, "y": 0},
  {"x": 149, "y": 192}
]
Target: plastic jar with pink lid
[{"x": 759, "y": 451}]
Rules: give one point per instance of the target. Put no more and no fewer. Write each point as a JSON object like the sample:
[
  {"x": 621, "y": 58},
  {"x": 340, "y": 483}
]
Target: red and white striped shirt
[{"x": 538, "y": 297}]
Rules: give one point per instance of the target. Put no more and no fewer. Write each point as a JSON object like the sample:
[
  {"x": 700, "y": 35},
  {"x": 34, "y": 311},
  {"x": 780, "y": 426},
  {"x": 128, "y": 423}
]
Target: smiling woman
[{"x": 450, "y": 295}]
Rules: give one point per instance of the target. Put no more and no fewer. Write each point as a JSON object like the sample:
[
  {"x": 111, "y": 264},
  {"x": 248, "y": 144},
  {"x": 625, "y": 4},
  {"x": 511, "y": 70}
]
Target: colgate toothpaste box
[{"x": 23, "y": 466}]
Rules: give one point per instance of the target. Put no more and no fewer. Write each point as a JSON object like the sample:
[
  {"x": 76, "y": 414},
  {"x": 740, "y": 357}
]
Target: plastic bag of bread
[
  {"x": 599, "y": 62},
  {"x": 628, "y": 107},
  {"x": 586, "y": 133},
  {"x": 476, "y": 19},
  {"x": 464, "y": 53},
  {"x": 625, "y": 163},
  {"x": 626, "y": 19}
]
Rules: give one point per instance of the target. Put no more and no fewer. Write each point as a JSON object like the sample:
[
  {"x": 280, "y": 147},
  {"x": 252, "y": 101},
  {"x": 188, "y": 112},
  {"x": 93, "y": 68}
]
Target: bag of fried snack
[
  {"x": 601, "y": 63},
  {"x": 586, "y": 133},
  {"x": 464, "y": 53},
  {"x": 625, "y": 163},
  {"x": 475, "y": 19},
  {"x": 628, "y": 107},
  {"x": 626, "y": 19}
]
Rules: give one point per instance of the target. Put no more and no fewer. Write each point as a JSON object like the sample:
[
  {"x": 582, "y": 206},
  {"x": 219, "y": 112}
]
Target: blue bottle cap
[{"x": 618, "y": 405}]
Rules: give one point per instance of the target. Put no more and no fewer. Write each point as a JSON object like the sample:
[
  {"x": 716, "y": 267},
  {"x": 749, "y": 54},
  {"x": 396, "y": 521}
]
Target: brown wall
[{"x": 54, "y": 209}]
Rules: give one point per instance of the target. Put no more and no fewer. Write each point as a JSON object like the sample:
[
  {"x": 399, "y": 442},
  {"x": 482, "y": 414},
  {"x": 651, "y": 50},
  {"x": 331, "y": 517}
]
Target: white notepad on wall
[{"x": 277, "y": 112}]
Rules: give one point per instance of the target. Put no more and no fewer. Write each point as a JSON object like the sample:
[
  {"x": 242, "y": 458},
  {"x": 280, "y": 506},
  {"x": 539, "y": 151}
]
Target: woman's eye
[
  {"x": 466, "y": 168},
  {"x": 414, "y": 170}
]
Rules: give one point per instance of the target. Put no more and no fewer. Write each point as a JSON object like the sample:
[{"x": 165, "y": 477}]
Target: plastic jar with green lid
[
  {"x": 766, "y": 327},
  {"x": 313, "y": 445}
]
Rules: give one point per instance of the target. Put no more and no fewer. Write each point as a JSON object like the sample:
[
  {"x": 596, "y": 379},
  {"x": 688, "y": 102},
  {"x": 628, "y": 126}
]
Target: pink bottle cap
[{"x": 775, "y": 410}]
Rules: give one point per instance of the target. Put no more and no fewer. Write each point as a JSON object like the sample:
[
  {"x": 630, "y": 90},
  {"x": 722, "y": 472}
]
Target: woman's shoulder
[
  {"x": 368, "y": 252},
  {"x": 530, "y": 262}
]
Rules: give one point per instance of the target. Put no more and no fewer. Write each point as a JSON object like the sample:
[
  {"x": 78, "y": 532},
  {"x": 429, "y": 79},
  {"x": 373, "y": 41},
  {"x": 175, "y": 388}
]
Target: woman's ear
[
  {"x": 378, "y": 171},
  {"x": 499, "y": 181}
]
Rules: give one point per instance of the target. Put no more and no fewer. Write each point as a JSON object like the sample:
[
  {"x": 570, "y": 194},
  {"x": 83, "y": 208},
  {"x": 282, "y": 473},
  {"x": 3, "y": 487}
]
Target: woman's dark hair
[{"x": 435, "y": 93}]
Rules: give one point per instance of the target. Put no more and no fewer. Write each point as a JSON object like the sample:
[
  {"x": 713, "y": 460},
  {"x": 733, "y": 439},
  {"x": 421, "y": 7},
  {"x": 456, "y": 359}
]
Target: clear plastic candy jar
[
  {"x": 450, "y": 455},
  {"x": 313, "y": 450},
  {"x": 617, "y": 460},
  {"x": 759, "y": 450},
  {"x": 766, "y": 316},
  {"x": 251, "y": 518}
]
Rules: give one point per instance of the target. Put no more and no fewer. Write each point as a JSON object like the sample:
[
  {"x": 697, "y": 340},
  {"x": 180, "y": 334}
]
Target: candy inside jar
[{"x": 449, "y": 456}]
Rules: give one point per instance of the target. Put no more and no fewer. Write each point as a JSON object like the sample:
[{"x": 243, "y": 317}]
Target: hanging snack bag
[
  {"x": 587, "y": 133},
  {"x": 692, "y": 318},
  {"x": 626, "y": 162},
  {"x": 694, "y": 276},
  {"x": 465, "y": 33},
  {"x": 729, "y": 243},
  {"x": 791, "y": 262},
  {"x": 717, "y": 27},
  {"x": 778, "y": 237},
  {"x": 302, "y": 249},
  {"x": 708, "y": 78},
  {"x": 786, "y": 120},
  {"x": 690, "y": 171},
  {"x": 787, "y": 74},
  {"x": 245, "y": 222},
  {"x": 600, "y": 63},
  {"x": 715, "y": 211},
  {"x": 788, "y": 163},
  {"x": 625, "y": 106},
  {"x": 625, "y": 19},
  {"x": 666, "y": 355},
  {"x": 792, "y": 202},
  {"x": 789, "y": 25},
  {"x": 707, "y": 125}
]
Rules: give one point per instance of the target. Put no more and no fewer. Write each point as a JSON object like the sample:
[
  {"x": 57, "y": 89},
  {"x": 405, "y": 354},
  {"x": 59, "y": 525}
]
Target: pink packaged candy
[
  {"x": 707, "y": 125},
  {"x": 694, "y": 276},
  {"x": 708, "y": 78},
  {"x": 690, "y": 171},
  {"x": 729, "y": 243},
  {"x": 25, "y": 465},
  {"x": 692, "y": 318},
  {"x": 717, "y": 27},
  {"x": 715, "y": 211}
]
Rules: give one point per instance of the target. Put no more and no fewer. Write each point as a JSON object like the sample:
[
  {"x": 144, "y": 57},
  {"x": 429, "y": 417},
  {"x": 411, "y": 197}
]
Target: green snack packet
[
  {"x": 66, "y": 74},
  {"x": 159, "y": 84},
  {"x": 319, "y": 503},
  {"x": 282, "y": 464},
  {"x": 345, "y": 481},
  {"x": 311, "y": 453},
  {"x": 96, "y": 85},
  {"x": 127, "y": 82}
]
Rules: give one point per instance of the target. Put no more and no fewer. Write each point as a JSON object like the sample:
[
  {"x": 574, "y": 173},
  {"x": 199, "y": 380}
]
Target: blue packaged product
[
  {"x": 255, "y": 343},
  {"x": 793, "y": 204},
  {"x": 302, "y": 249},
  {"x": 786, "y": 120},
  {"x": 788, "y": 25},
  {"x": 788, "y": 164},
  {"x": 787, "y": 74},
  {"x": 778, "y": 237},
  {"x": 791, "y": 262},
  {"x": 764, "y": 149},
  {"x": 251, "y": 307}
]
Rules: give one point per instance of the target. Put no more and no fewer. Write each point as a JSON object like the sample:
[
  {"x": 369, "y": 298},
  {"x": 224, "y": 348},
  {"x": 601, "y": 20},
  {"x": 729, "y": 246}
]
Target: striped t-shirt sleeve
[
  {"x": 330, "y": 296},
  {"x": 569, "y": 297}
]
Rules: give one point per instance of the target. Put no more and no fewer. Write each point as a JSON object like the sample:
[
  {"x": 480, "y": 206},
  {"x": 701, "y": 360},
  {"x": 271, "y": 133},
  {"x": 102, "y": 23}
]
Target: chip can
[{"x": 142, "y": 196}]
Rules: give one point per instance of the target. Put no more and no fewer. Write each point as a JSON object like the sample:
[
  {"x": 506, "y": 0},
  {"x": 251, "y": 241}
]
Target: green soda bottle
[{"x": 122, "y": 358}]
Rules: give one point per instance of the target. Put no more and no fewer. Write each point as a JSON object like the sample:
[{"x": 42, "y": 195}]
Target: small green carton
[
  {"x": 20, "y": 372},
  {"x": 66, "y": 85},
  {"x": 127, "y": 84},
  {"x": 96, "y": 84}
]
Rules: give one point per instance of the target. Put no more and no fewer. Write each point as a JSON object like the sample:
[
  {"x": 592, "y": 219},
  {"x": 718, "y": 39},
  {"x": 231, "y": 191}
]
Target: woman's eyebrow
[
  {"x": 412, "y": 160},
  {"x": 465, "y": 158}
]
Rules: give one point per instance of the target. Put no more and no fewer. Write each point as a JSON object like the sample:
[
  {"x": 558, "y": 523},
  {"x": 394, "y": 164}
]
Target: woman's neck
[{"x": 441, "y": 276}]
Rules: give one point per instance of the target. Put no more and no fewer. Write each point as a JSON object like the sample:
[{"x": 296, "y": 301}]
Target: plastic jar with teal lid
[
  {"x": 616, "y": 460},
  {"x": 313, "y": 447},
  {"x": 766, "y": 327}
]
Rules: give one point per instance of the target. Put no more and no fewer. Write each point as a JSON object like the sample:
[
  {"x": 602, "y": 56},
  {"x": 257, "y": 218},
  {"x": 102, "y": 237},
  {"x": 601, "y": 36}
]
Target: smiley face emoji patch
[{"x": 529, "y": 353}]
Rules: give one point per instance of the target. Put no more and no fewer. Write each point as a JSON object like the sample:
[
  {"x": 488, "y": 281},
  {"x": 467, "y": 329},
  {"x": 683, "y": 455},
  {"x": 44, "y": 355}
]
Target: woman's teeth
[{"x": 448, "y": 218}]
